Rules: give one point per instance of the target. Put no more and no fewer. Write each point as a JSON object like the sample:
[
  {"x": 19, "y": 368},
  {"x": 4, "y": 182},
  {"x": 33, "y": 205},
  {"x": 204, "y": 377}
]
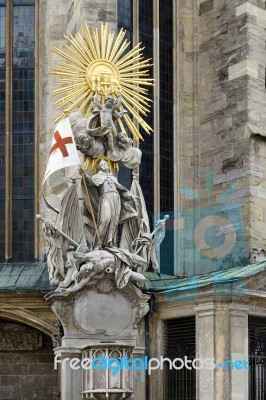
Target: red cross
[{"x": 60, "y": 143}]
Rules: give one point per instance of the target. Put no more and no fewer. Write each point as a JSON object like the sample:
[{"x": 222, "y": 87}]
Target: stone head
[
  {"x": 103, "y": 165},
  {"x": 122, "y": 137},
  {"x": 109, "y": 101}
]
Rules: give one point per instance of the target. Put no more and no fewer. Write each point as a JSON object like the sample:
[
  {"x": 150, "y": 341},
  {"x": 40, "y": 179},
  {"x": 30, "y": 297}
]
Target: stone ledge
[
  {"x": 257, "y": 12},
  {"x": 242, "y": 68}
]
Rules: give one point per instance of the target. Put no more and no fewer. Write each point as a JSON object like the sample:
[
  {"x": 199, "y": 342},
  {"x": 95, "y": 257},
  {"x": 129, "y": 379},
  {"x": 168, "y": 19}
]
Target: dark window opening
[
  {"x": 180, "y": 342},
  {"x": 22, "y": 116},
  {"x": 166, "y": 130},
  {"x": 147, "y": 165},
  {"x": 257, "y": 358}
]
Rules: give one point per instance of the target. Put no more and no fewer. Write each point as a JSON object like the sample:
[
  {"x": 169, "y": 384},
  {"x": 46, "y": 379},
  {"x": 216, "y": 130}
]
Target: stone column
[
  {"x": 100, "y": 324},
  {"x": 156, "y": 351},
  {"x": 71, "y": 379},
  {"x": 140, "y": 352},
  {"x": 205, "y": 328},
  {"x": 222, "y": 334},
  {"x": 212, "y": 341},
  {"x": 239, "y": 351}
]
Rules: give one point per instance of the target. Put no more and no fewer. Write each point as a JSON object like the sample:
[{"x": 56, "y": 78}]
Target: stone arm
[
  {"x": 88, "y": 179},
  {"x": 117, "y": 103},
  {"x": 125, "y": 192},
  {"x": 96, "y": 102}
]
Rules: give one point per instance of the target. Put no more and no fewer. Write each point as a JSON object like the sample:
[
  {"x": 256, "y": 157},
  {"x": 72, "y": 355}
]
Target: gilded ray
[{"x": 99, "y": 60}]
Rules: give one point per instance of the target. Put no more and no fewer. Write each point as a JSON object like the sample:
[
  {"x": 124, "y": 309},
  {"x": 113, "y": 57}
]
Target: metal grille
[
  {"x": 180, "y": 342},
  {"x": 257, "y": 358}
]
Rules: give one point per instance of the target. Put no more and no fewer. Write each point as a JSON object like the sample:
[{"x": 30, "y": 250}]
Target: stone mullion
[
  {"x": 156, "y": 109},
  {"x": 135, "y": 22},
  {"x": 176, "y": 117},
  {"x": 37, "y": 134},
  {"x": 135, "y": 6}
]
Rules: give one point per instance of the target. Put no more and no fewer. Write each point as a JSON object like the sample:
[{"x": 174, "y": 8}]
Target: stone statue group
[{"x": 108, "y": 236}]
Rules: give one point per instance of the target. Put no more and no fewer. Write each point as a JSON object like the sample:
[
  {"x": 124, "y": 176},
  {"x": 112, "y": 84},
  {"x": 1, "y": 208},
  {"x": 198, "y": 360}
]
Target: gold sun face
[
  {"x": 97, "y": 61},
  {"x": 103, "y": 76}
]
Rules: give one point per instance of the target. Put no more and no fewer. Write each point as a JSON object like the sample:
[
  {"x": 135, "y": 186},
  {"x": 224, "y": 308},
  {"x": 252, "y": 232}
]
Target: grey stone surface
[
  {"x": 94, "y": 318},
  {"x": 27, "y": 374}
]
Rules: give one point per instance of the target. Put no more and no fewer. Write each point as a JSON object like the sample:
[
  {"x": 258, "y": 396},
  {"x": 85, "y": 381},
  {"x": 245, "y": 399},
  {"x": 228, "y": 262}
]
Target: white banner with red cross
[{"x": 63, "y": 151}]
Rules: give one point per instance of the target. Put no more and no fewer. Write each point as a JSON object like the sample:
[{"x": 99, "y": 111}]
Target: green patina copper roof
[
  {"x": 24, "y": 277},
  {"x": 168, "y": 283},
  {"x": 34, "y": 277}
]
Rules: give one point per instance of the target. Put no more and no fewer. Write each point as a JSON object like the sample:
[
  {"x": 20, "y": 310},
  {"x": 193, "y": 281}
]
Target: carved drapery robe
[{"x": 113, "y": 207}]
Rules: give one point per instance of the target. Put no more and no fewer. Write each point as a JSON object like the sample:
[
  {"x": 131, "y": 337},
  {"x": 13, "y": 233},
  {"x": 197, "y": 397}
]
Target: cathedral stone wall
[
  {"x": 26, "y": 364},
  {"x": 221, "y": 107},
  {"x": 224, "y": 66}
]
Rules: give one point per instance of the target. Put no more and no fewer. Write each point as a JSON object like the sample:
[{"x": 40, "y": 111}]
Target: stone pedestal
[{"x": 99, "y": 322}]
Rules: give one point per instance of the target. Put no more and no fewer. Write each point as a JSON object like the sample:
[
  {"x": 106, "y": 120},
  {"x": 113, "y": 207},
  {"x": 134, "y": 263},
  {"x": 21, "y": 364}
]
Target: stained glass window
[
  {"x": 125, "y": 17},
  {"x": 125, "y": 21},
  {"x": 23, "y": 131},
  {"x": 22, "y": 116},
  {"x": 2, "y": 36},
  {"x": 166, "y": 129},
  {"x": 23, "y": 36},
  {"x": 2, "y": 125},
  {"x": 23, "y": 2},
  {"x": 147, "y": 167},
  {"x": 165, "y": 65}
]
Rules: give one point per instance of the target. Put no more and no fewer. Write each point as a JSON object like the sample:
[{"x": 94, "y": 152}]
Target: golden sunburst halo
[{"x": 97, "y": 61}]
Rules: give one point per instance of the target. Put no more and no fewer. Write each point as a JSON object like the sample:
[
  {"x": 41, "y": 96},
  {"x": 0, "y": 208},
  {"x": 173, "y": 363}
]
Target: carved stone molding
[
  {"x": 257, "y": 310},
  {"x": 105, "y": 286},
  {"x": 257, "y": 255},
  {"x": 101, "y": 310},
  {"x": 110, "y": 311},
  {"x": 14, "y": 337},
  {"x": 142, "y": 310},
  {"x": 63, "y": 310}
]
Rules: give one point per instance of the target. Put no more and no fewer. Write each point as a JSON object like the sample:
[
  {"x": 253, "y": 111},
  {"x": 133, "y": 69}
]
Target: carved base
[
  {"x": 112, "y": 395},
  {"x": 99, "y": 321}
]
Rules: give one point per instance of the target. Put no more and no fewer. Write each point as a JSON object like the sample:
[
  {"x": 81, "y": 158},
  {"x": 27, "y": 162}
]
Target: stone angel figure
[
  {"x": 158, "y": 236},
  {"x": 106, "y": 113}
]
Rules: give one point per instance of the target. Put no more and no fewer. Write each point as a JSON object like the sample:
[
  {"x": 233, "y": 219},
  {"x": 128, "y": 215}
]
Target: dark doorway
[{"x": 180, "y": 342}]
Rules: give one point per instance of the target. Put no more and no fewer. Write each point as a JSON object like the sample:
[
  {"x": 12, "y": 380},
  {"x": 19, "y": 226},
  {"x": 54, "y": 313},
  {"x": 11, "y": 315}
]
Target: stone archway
[
  {"x": 26, "y": 360},
  {"x": 27, "y": 317}
]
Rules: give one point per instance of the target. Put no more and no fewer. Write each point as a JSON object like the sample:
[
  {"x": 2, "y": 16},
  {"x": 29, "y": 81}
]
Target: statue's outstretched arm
[
  {"x": 96, "y": 101},
  {"x": 88, "y": 179},
  {"x": 118, "y": 102}
]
